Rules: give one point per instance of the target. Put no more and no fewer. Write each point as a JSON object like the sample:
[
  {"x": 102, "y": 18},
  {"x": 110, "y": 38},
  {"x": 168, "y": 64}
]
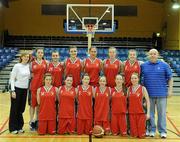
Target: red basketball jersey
[
  {"x": 38, "y": 70},
  {"x": 118, "y": 101},
  {"x": 101, "y": 104},
  {"x": 111, "y": 70},
  {"x": 47, "y": 108},
  {"x": 57, "y": 74},
  {"x": 74, "y": 69},
  {"x": 67, "y": 102},
  {"x": 85, "y": 102},
  {"x": 136, "y": 100},
  {"x": 93, "y": 68},
  {"x": 129, "y": 70}
]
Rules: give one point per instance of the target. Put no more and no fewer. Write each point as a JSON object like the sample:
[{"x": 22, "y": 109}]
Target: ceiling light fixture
[{"x": 175, "y": 5}]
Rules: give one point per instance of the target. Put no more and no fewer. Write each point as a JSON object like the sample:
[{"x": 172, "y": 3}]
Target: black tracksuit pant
[{"x": 18, "y": 105}]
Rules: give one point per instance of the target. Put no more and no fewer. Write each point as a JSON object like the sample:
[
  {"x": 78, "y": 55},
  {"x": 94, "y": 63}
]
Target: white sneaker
[
  {"x": 21, "y": 131},
  {"x": 14, "y": 132},
  {"x": 163, "y": 135},
  {"x": 147, "y": 133},
  {"x": 152, "y": 134}
]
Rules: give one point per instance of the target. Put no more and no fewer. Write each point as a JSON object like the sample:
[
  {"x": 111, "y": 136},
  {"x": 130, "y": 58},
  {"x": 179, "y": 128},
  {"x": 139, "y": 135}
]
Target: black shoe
[
  {"x": 32, "y": 126},
  {"x": 36, "y": 124}
]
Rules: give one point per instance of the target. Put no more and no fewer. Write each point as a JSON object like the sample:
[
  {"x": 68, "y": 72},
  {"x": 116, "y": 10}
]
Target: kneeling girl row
[{"x": 109, "y": 109}]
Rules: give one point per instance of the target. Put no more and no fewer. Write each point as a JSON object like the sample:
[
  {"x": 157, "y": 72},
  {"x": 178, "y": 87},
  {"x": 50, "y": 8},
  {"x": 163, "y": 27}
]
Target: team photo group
[{"x": 73, "y": 96}]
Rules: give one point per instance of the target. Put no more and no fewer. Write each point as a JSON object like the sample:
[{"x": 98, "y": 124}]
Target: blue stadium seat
[
  {"x": 106, "y": 51},
  {"x": 100, "y": 52},
  {"x": 1, "y": 51},
  {"x": 122, "y": 58},
  {"x": 82, "y": 56}
]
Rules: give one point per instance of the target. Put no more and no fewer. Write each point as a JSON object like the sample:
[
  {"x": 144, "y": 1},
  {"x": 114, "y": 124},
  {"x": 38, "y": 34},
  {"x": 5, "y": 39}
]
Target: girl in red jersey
[
  {"x": 56, "y": 69},
  {"x": 112, "y": 67},
  {"x": 85, "y": 112},
  {"x": 38, "y": 69},
  {"x": 66, "y": 115},
  {"x": 101, "y": 108},
  {"x": 131, "y": 65},
  {"x": 73, "y": 66},
  {"x": 93, "y": 66},
  {"x": 137, "y": 117},
  {"x": 46, "y": 98},
  {"x": 118, "y": 108}
]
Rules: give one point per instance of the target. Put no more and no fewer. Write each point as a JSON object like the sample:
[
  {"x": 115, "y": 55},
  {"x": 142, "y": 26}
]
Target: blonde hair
[
  {"x": 22, "y": 55},
  {"x": 113, "y": 48},
  {"x": 120, "y": 76}
]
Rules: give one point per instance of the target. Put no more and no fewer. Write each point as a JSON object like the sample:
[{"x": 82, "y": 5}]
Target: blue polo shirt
[{"x": 155, "y": 78}]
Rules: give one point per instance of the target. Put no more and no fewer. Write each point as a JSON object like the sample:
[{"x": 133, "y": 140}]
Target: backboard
[{"x": 81, "y": 15}]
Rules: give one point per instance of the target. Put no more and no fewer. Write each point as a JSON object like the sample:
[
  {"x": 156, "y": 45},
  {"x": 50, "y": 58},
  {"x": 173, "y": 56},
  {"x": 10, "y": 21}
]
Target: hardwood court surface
[{"x": 173, "y": 126}]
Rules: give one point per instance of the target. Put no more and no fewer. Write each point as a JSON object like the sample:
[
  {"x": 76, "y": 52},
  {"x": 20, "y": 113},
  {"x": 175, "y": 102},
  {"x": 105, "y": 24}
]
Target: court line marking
[
  {"x": 174, "y": 116},
  {"x": 174, "y": 126},
  {"x": 174, "y": 103},
  {"x": 76, "y": 137},
  {"x": 4, "y": 124}
]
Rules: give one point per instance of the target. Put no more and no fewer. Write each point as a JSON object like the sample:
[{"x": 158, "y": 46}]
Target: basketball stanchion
[
  {"x": 90, "y": 136},
  {"x": 90, "y": 31}
]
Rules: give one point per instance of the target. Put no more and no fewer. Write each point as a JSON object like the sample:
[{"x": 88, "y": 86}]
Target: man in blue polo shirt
[{"x": 157, "y": 78}]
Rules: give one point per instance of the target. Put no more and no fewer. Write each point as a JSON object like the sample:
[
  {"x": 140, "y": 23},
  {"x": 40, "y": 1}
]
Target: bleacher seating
[
  {"x": 61, "y": 43},
  {"x": 7, "y": 55},
  {"x": 173, "y": 58}
]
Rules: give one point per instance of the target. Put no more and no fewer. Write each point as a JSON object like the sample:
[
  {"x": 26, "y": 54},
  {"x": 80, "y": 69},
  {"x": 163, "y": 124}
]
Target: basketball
[{"x": 98, "y": 131}]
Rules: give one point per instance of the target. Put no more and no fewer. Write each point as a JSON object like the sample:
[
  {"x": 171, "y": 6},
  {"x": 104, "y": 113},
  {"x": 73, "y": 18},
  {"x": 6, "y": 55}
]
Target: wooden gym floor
[{"x": 173, "y": 126}]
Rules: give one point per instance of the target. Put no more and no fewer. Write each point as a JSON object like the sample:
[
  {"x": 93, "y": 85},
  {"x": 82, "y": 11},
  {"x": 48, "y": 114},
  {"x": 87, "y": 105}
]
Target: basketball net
[{"x": 90, "y": 31}]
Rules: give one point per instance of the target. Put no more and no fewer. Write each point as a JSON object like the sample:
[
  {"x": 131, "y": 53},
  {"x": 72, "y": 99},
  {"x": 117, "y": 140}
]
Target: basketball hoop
[
  {"x": 86, "y": 20},
  {"x": 90, "y": 30}
]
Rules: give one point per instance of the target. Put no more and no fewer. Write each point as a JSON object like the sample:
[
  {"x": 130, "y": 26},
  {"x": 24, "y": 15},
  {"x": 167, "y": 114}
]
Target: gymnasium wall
[
  {"x": 171, "y": 27},
  {"x": 1, "y": 23},
  {"x": 23, "y": 17}
]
